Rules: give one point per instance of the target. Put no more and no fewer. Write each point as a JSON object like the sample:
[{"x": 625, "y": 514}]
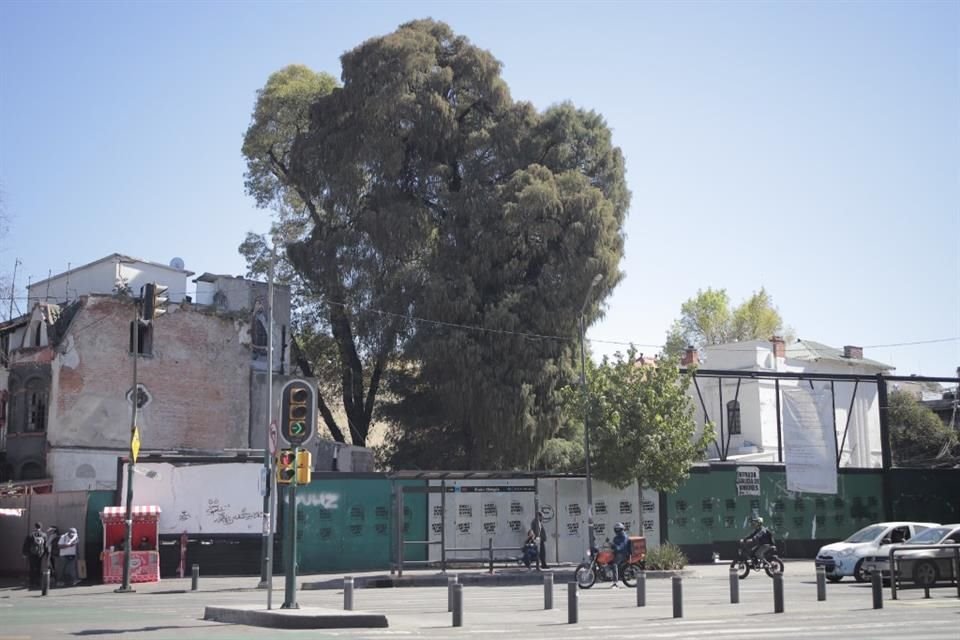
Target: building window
[
  {"x": 733, "y": 417},
  {"x": 36, "y": 335},
  {"x": 36, "y": 405},
  {"x": 144, "y": 339},
  {"x": 260, "y": 335}
]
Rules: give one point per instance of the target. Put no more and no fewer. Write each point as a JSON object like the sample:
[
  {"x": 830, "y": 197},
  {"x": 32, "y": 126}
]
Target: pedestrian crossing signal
[
  {"x": 304, "y": 466},
  {"x": 286, "y": 466}
]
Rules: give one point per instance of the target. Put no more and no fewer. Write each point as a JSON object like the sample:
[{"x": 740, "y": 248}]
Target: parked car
[
  {"x": 847, "y": 558},
  {"x": 923, "y": 566}
]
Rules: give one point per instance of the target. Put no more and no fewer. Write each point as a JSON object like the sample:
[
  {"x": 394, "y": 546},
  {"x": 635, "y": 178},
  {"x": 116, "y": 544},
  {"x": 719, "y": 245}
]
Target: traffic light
[
  {"x": 154, "y": 300},
  {"x": 304, "y": 466},
  {"x": 298, "y": 411},
  {"x": 286, "y": 466}
]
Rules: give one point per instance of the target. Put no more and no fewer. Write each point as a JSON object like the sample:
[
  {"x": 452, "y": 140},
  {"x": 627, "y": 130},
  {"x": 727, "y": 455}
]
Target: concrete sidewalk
[{"x": 470, "y": 577}]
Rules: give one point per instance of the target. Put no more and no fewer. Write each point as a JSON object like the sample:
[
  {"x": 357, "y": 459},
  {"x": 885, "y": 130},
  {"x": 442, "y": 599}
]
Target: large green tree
[
  {"x": 450, "y": 235},
  {"x": 918, "y": 436},
  {"x": 641, "y": 422},
  {"x": 347, "y": 352},
  {"x": 708, "y": 319}
]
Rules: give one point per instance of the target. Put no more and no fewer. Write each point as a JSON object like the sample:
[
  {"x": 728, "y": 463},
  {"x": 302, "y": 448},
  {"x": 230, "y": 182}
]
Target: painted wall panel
[
  {"x": 204, "y": 498},
  {"x": 478, "y": 510},
  {"x": 706, "y": 509}
]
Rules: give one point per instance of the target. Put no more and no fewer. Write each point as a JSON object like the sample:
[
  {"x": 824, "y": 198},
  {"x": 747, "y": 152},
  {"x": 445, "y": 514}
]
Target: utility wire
[{"x": 542, "y": 336}]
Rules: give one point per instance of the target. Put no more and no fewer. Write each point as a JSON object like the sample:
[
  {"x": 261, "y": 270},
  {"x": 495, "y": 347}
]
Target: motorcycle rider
[
  {"x": 621, "y": 549},
  {"x": 760, "y": 541}
]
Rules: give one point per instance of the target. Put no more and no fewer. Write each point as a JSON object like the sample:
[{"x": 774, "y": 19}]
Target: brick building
[{"x": 67, "y": 371}]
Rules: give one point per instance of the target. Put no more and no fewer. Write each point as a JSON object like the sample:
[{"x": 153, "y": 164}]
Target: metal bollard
[
  {"x": 451, "y": 580},
  {"x": 778, "y": 593},
  {"x": 490, "y": 547},
  {"x": 642, "y": 589},
  {"x": 821, "y": 584},
  {"x": 194, "y": 577},
  {"x": 548, "y": 590},
  {"x": 956, "y": 569},
  {"x": 876, "y": 582},
  {"x": 677, "y": 596},
  {"x": 348, "y": 593},
  {"x": 926, "y": 592},
  {"x": 458, "y": 605},
  {"x": 734, "y": 586},
  {"x": 572, "y": 603},
  {"x": 45, "y": 582}
]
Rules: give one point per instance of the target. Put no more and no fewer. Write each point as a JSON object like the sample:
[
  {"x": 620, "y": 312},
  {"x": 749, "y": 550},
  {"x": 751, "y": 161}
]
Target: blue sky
[{"x": 812, "y": 148}]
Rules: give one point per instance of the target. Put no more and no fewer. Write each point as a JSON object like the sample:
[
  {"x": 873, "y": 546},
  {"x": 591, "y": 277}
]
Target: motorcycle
[
  {"x": 745, "y": 562},
  {"x": 601, "y": 565}
]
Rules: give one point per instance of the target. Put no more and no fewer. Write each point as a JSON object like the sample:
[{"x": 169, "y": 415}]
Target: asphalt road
[{"x": 169, "y": 611}]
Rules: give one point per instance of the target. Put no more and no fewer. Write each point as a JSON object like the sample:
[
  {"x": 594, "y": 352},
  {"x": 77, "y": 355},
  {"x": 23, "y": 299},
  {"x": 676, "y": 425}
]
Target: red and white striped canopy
[{"x": 139, "y": 511}]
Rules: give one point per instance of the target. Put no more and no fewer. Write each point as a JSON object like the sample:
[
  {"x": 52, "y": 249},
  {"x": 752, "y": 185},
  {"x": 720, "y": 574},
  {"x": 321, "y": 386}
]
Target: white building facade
[{"x": 744, "y": 408}]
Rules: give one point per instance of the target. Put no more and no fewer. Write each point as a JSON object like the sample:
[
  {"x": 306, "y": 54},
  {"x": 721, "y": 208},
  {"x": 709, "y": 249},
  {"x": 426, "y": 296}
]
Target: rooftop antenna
[
  {"x": 66, "y": 286},
  {"x": 46, "y": 296},
  {"x": 13, "y": 285}
]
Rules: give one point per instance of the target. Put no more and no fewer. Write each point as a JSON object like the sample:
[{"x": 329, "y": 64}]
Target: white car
[
  {"x": 923, "y": 566},
  {"x": 847, "y": 558}
]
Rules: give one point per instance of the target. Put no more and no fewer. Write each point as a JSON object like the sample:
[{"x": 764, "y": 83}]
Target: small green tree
[
  {"x": 707, "y": 319},
  {"x": 917, "y": 435},
  {"x": 641, "y": 422}
]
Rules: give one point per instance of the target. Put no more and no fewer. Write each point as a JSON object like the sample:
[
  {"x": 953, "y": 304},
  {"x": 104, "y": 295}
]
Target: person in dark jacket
[
  {"x": 621, "y": 549},
  {"x": 35, "y": 550},
  {"x": 53, "y": 551},
  {"x": 540, "y": 531},
  {"x": 760, "y": 541}
]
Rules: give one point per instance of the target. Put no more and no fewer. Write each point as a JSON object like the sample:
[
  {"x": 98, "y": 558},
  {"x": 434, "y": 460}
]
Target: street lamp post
[{"x": 586, "y": 409}]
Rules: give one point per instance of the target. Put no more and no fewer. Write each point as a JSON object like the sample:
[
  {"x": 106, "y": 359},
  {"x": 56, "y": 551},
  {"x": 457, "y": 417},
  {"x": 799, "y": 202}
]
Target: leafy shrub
[{"x": 666, "y": 557}]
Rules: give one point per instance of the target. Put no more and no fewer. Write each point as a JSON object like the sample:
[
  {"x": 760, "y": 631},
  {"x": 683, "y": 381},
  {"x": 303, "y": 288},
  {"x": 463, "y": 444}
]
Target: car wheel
[
  {"x": 834, "y": 578},
  {"x": 925, "y": 573},
  {"x": 858, "y": 573}
]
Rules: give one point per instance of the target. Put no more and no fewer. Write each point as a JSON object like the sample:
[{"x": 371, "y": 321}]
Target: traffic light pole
[
  {"x": 266, "y": 555},
  {"x": 290, "y": 533},
  {"x": 125, "y": 586}
]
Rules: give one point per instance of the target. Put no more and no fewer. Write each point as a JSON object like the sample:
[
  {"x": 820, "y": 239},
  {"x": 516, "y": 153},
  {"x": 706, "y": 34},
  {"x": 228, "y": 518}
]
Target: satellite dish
[{"x": 177, "y": 263}]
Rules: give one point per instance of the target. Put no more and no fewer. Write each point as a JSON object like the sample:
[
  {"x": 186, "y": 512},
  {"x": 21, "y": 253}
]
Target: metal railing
[
  {"x": 487, "y": 559},
  {"x": 895, "y": 569}
]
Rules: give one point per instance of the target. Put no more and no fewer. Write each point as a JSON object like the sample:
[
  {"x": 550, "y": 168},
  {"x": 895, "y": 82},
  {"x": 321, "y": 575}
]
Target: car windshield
[
  {"x": 867, "y": 534},
  {"x": 930, "y": 536}
]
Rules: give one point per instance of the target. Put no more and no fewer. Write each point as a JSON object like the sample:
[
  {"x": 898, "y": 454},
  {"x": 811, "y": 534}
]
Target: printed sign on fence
[{"x": 748, "y": 481}]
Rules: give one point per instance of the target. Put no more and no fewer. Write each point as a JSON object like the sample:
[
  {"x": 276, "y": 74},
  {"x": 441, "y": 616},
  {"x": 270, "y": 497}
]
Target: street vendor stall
[{"x": 145, "y": 557}]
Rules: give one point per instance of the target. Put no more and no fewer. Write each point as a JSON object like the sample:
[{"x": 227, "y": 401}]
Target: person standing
[
  {"x": 540, "y": 531},
  {"x": 53, "y": 551},
  {"x": 68, "y": 556},
  {"x": 35, "y": 550}
]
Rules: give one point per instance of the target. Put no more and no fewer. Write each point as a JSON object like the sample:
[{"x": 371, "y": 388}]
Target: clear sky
[{"x": 812, "y": 148}]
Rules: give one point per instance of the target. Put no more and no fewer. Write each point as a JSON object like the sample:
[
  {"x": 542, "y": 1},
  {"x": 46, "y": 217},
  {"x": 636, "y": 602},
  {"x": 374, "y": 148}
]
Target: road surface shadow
[{"x": 97, "y": 632}]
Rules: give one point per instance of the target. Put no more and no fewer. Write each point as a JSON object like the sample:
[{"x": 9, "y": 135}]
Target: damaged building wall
[{"x": 195, "y": 385}]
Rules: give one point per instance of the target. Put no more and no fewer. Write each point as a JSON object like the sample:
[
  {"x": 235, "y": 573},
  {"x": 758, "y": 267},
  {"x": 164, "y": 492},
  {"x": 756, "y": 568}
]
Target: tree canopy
[
  {"x": 641, "y": 422},
  {"x": 449, "y": 235},
  {"x": 918, "y": 436},
  {"x": 707, "y": 319}
]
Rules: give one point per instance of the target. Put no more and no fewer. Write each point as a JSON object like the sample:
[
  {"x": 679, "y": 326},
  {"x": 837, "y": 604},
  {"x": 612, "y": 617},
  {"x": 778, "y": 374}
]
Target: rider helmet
[
  {"x": 618, "y": 527},
  {"x": 757, "y": 522}
]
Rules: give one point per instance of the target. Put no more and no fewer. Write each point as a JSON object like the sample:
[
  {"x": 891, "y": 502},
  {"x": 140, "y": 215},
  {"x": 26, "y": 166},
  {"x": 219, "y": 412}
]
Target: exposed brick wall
[{"x": 198, "y": 380}]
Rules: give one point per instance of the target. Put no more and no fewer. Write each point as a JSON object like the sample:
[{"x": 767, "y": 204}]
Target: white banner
[
  {"x": 478, "y": 510},
  {"x": 809, "y": 440},
  {"x": 203, "y": 498},
  {"x": 503, "y": 509}
]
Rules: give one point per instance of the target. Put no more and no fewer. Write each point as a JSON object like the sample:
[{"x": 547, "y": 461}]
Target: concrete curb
[
  {"x": 307, "y": 618},
  {"x": 514, "y": 578}
]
